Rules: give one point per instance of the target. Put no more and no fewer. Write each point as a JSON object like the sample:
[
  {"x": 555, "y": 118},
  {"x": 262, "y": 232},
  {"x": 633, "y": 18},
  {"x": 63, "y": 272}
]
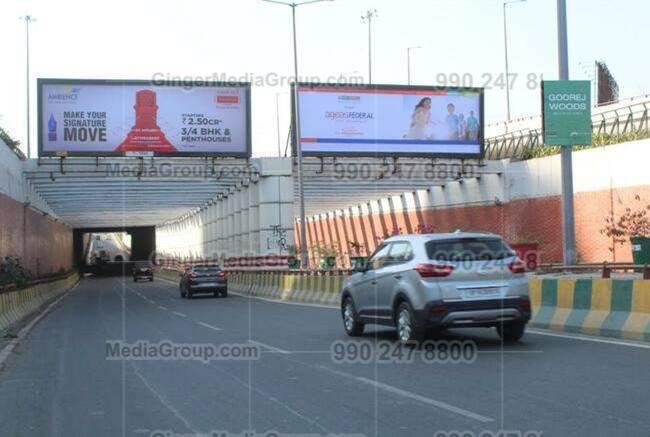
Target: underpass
[{"x": 338, "y": 279}]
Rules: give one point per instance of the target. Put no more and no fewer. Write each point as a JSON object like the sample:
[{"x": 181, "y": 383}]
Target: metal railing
[
  {"x": 629, "y": 116},
  {"x": 604, "y": 268}
]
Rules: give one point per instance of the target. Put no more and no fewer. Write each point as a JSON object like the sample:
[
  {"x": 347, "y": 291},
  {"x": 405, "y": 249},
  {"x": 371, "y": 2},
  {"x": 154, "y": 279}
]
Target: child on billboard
[
  {"x": 453, "y": 123},
  {"x": 472, "y": 127}
]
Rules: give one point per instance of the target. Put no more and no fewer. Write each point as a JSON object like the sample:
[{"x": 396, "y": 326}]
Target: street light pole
[
  {"x": 277, "y": 121},
  {"x": 568, "y": 223},
  {"x": 304, "y": 259},
  {"x": 367, "y": 18},
  {"x": 408, "y": 61},
  {"x": 28, "y": 19},
  {"x": 505, "y": 44}
]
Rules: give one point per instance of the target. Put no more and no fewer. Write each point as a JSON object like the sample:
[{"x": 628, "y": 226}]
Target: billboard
[
  {"x": 393, "y": 120},
  {"x": 108, "y": 118},
  {"x": 566, "y": 112}
]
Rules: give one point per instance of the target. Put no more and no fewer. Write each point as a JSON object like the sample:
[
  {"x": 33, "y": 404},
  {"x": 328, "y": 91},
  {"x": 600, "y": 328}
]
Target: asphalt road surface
[{"x": 302, "y": 374}]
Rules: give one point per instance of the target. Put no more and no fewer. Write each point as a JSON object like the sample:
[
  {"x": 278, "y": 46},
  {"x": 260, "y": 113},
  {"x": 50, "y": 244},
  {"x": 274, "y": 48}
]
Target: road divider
[
  {"x": 320, "y": 287},
  {"x": 606, "y": 307},
  {"x": 16, "y": 304},
  {"x": 603, "y": 307}
]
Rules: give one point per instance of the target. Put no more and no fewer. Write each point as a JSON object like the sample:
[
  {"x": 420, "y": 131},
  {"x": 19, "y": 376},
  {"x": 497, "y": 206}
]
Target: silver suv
[{"x": 426, "y": 282}]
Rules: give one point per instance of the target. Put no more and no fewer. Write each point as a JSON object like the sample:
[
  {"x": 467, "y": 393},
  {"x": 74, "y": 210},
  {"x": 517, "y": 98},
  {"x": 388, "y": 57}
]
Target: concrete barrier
[
  {"x": 17, "y": 304},
  {"x": 606, "y": 307},
  {"x": 298, "y": 287}
]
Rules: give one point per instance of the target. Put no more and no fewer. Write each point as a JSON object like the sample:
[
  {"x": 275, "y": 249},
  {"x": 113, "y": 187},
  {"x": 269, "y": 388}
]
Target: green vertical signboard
[{"x": 566, "y": 112}]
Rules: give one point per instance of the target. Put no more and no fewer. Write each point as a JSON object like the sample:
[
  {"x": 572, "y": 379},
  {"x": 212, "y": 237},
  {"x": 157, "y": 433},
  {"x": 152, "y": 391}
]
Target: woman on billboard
[{"x": 420, "y": 120}]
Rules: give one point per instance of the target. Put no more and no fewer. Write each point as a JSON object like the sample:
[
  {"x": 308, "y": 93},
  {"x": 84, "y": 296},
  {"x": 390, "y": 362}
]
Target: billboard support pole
[
  {"x": 304, "y": 259},
  {"x": 568, "y": 220},
  {"x": 28, "y": 19},
  {"x": 408, "y": 62},
  {"x": 370, "y": 14}
]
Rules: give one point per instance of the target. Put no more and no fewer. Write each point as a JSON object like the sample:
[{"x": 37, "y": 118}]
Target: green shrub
[
  {"x": 597, "y": 140},
  {"x": 13, "y": 272}
]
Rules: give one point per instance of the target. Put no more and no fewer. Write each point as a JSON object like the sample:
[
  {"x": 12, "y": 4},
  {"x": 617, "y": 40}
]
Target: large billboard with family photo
[{"x": 391, "y": 120}]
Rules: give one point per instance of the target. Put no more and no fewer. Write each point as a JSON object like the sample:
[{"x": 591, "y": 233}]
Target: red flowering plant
[
  {"x": 632, "y": 223},
  {"x": 425, "y": 228}
]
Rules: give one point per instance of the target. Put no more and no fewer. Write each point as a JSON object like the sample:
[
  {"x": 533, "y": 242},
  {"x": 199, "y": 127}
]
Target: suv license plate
[{"x": 482, "y": 293}]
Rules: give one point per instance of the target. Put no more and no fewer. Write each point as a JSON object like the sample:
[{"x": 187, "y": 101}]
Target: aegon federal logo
[{"x": 343, "y": 115}]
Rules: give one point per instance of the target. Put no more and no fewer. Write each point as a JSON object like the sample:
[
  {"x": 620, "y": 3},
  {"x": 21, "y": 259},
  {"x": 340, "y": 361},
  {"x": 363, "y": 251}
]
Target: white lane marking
[
  {"x": 409, "y": 395},
  {"x": 424, "y": 400},
  {"x": 169, "y": 280},
  {"x": 285, "y": 302},
  {"x": 586, "y": 338},
  {"x": 163, "y": 308},
  {"x": 179, "y": 314},
  {"x": 529, "y": 330},
  {"x": 390, "y": 388},
  {"x": 269, "y": 347},
  {"x": 163, "y": 400},
  {"x": 4, "y": 354},
  {"x": 209, "y": 326}
]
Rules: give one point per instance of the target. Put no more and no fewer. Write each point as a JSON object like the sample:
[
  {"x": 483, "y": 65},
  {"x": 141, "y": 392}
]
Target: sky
[{"x": 137, "y": 39}]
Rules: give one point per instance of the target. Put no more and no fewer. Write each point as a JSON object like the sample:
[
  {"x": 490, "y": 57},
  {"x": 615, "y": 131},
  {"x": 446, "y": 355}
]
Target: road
[{"x": 59, "y": 381}]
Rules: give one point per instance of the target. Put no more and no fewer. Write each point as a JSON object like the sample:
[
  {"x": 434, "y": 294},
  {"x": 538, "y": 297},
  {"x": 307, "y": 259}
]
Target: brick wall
[
  {"x": 522, "y": 220},
  {"x": 44, "y": 245}
]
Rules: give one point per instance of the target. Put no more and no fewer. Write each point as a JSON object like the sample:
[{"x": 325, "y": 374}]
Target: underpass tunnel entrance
[{"x": 112, "y": 250}]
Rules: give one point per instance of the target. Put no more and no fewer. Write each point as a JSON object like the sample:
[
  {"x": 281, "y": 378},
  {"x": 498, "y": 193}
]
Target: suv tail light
[
  {"x": 221, "y": 274},
  {"x": 434, "y": 270},
  {"x": 517, "y": 266},
  {"x": 524, "y": 303},
  {"x": 191, "y": 275}
]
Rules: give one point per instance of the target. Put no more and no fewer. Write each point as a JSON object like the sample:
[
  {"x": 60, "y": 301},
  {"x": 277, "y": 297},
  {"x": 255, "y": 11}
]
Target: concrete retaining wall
[
  {"x": 29, "y": 229},
  {"x": 522, "y": 204},
  {"x": 18, "y": 304}
]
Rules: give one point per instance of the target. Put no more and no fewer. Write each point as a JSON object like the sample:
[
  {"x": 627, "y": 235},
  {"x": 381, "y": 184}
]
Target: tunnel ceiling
[{"x": 105, "y": 192}]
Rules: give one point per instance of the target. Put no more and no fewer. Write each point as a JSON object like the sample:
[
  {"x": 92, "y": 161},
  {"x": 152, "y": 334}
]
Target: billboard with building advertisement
[
  {"x": 105, "y": 118},
  {"x": 390, "y": 120}
]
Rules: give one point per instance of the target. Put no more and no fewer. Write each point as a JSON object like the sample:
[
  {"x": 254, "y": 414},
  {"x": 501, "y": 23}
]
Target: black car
[
  {"x": 204, "y": 279},
  {"x": 142, "y": 270}
]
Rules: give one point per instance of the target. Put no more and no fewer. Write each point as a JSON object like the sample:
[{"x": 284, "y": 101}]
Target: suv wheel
[
  {"x": 407, "y": 329},
  {"x": 352, "y": 327},
  {"x": 511, "y": 332}
]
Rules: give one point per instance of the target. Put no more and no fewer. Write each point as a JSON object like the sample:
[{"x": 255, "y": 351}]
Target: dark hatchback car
[
  {"x": 203, "y": 279},
  {"x": 142, "y": 270}
]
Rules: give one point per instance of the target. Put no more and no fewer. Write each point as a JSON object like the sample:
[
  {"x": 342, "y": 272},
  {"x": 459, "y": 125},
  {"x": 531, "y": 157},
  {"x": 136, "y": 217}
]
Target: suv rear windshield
[
  {"x": 206, "y": 268},
  {"x": 468, "y": 249},
  {"x": 142, "y": 264}
]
